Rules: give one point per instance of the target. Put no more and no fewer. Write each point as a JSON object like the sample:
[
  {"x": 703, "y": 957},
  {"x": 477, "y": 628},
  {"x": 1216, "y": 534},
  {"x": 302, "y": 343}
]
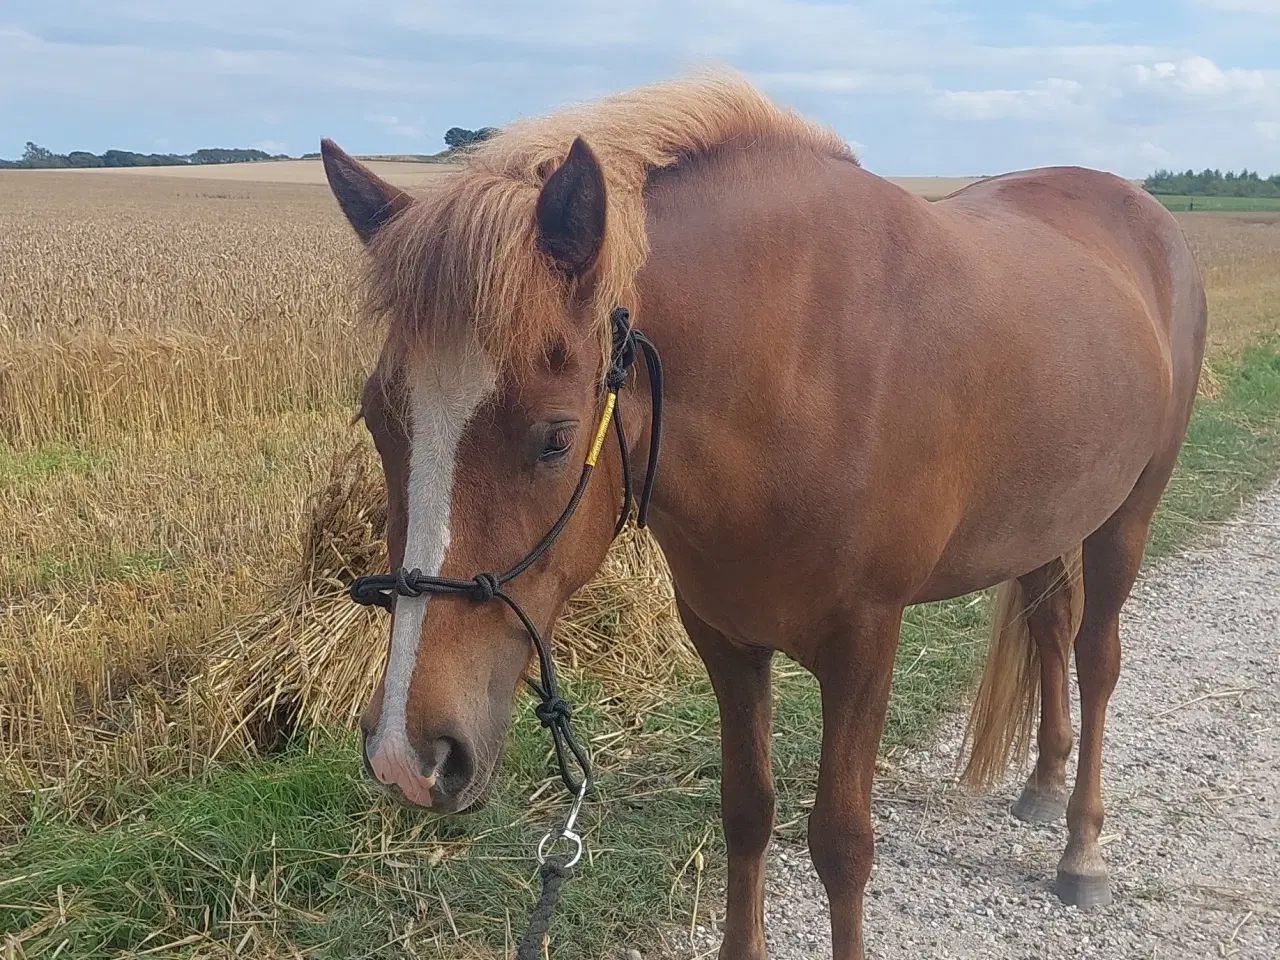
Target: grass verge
[
  {"x": 294, "y": 856},
  {"x": 1232, "y": 448},
  {"x": 1185, "y": 203}
]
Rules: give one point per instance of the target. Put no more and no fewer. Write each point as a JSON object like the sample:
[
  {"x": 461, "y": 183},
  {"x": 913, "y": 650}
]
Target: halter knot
[
  {"x": 407, "y": 582},
  {"x": 553, "y": 711},
  {"x": 484, "y": 587},
  {"x": 624, "y": 350}
]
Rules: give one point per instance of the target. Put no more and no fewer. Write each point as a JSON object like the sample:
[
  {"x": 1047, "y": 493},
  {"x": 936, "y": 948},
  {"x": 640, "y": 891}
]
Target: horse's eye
[{"x": 557, "y": 444}]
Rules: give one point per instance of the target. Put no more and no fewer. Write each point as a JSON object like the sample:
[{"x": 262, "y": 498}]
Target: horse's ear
[
  {"x": 367, "y": 200},
  {"x": 571, "y": 211}
]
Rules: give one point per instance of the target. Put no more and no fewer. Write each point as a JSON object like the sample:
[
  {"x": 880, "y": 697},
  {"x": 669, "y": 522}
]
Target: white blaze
[{"x": 443, "y": 398}]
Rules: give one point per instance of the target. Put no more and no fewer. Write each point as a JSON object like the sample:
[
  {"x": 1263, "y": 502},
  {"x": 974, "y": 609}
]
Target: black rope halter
[{"x": 552, "y": 710}]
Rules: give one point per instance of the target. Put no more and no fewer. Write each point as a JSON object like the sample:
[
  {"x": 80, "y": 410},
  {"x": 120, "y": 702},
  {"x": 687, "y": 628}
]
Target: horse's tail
[{"x": 1003, "y": 715}]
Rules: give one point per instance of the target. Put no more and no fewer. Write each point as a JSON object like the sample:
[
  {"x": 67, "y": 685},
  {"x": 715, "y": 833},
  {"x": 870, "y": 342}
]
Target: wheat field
[
  {"x": 184, "y": 494},
  {"x": 403, "y": 173}
]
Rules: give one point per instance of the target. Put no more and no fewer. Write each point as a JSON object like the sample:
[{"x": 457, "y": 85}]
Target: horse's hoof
[
  {"x": 1034, "y": 806},
  {"x": 1081, "y": 891}
]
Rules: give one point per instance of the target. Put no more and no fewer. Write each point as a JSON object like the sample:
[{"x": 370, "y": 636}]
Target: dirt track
[{"x": 1191, "y": 784}]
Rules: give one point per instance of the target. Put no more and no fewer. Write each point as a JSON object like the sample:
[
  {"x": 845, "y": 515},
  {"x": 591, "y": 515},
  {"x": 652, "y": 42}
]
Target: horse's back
[{"x": 1121, "y": 225}]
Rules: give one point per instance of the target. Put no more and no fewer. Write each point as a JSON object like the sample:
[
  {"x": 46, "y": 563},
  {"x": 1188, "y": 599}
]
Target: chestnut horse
[{"x": 872, "y": 401}]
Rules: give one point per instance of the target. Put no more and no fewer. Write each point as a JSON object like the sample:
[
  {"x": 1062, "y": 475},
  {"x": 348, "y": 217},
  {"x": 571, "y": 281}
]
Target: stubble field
[
  {"x": 182, "y": 498},
  {"x": 403, "y": 173}
]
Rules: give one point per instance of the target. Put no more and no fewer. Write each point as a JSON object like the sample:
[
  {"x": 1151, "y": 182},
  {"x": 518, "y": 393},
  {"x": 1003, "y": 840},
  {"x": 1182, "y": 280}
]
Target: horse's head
[{"x": 481, "y": 454}]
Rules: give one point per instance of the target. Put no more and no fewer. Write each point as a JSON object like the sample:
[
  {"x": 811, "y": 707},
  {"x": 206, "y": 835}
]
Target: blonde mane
[{"x": 465, "y": 253}]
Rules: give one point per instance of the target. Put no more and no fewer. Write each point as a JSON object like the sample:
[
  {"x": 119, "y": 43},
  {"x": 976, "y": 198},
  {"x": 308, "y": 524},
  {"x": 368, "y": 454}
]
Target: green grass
[
  {"x": 1182, "y": 202},
  {"x": 130, "y": 566},
  {"x": 1232, "y": 450},
  {"x": 44, "y": 462},
  {"x": 297, "y": 849}
]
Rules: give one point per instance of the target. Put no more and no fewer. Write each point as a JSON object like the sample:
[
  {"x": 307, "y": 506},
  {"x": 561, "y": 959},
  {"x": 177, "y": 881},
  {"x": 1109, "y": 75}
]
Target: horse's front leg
[
  {"x": 740, "y": 676},
  {"x": 854, "y": 670}
]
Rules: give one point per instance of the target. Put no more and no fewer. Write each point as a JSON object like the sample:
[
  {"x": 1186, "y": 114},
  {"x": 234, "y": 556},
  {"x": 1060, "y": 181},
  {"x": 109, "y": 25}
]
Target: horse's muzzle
[{"x": 437, "y": 778}]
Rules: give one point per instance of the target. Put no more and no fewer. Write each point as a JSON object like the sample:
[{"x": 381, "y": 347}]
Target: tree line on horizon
[
  {"x": 1213, "y": 183},
  {"x": 42, "y": 158},
  {"x": 1206, "y": 183},
  {"x": 36, "y": 157}
]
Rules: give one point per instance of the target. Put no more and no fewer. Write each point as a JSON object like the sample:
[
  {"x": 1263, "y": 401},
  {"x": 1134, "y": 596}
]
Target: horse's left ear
[
  {"x": 367, "y": 200},
  {"x": 571, "y": 211}
]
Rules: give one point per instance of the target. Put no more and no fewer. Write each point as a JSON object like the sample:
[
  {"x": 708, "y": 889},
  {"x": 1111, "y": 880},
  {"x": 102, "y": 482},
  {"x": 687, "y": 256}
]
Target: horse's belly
[
  {"x": 1090, "y": 412},
  {"x": 974, "y": 563},
  {"x": 1014, "y": 526}
]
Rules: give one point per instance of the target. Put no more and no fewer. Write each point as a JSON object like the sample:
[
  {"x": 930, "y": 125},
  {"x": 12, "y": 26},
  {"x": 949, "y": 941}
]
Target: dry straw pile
[{"x": 312, "y": 657}]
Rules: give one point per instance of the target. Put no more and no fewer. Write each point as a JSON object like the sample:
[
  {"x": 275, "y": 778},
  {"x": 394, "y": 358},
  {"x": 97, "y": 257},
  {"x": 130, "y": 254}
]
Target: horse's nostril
[
  {"x": 437, "y": 756},
  {"x": 435, "y": 775},
  {"x": 451, "y": 761}
]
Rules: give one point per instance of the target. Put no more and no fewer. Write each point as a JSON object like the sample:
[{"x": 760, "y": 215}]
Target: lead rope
[
  {"x": 534, "y": 943},
  {"x": 553, "y": 871},
  {"x": 554, "y": 712}
]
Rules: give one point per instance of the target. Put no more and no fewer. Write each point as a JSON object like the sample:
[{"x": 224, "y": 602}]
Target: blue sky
[{"x": 919, "y": 86}]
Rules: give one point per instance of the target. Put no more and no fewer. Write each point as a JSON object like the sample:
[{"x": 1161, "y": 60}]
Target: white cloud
[
  {"x": 1243, "y": 6},
  {"x": 1093, "y": 59},
  {"x": 1267, "y": 129},
  {"x": 825, "y": 81},
  {"x": 394, "y": 125},
  {"x": 1047, "y": 98},
  {"x": 1200, "y": 77},
  {"x": 1154, "y": 154},
  {"x": 840, "y": 81},
  {"x": 43, "y": 67}
]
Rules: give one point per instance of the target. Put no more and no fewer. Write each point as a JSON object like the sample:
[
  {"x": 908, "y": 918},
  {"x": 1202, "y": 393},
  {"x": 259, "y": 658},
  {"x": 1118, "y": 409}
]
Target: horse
[{"x": 871, "y": 401}]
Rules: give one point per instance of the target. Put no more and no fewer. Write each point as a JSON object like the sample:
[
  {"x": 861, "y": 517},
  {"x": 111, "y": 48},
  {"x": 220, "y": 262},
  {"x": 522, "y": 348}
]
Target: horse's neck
[{"x": 700, "y": 391}]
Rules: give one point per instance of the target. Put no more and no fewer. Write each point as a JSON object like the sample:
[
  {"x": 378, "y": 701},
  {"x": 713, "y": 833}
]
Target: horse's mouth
[
  {"x": 469, "y": 801},
  {"x": 472, "y": 799}
]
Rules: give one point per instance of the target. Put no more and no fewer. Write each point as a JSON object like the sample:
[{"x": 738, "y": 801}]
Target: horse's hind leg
[
  {"x": 1050, "y": 595},
  {"x": 1112, "y": 556}
]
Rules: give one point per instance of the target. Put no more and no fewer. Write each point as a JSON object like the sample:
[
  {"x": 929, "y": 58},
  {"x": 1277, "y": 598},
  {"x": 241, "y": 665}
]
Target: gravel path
[{"x": 1191, "y": 784}]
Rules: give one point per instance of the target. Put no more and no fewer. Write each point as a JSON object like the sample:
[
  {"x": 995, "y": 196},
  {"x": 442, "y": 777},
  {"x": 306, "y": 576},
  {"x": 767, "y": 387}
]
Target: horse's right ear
[
  {"x": 571, "y": 211},
  {"x": 367, "y": 200}
]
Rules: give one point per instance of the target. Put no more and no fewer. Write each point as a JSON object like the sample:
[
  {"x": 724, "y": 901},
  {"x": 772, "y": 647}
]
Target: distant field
[
  {"x": 1182, "y": 203},
  {"x": 410, "y": 173},
  {"x": 933, "y": 188},
  {"x": 404, "y": 173}
]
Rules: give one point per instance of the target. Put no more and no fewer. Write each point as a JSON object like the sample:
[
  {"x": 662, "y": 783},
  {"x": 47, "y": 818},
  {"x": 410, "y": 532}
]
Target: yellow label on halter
[{"x": 601, "y": 430}]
